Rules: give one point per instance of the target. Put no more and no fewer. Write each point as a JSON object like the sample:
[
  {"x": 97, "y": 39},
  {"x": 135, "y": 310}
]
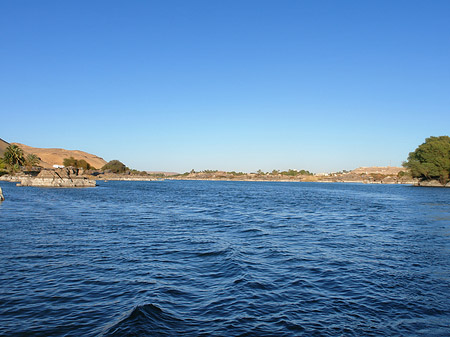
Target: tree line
[
  {"x": 430, "y": 160},
  {"x": 14, "y": 160}
]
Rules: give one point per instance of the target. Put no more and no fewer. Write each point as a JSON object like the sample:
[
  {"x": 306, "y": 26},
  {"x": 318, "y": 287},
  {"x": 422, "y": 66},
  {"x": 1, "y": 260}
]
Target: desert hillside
[
  {"x": 3, "y": 146},
  {"x": 50, "y": 157}
]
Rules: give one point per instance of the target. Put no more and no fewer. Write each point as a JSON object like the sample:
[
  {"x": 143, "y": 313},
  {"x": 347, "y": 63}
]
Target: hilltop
[{"x": 55, "y": 156}]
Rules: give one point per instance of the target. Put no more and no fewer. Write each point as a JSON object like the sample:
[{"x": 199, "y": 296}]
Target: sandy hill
[
  {"x": 50, "y": 157},
  {"x": 387, "y": 170},
  {"x": 3, "y": 146}
]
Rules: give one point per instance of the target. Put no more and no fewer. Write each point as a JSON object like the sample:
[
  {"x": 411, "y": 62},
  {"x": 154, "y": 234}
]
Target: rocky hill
[
  {"x": 386, "y": 170},
  {"x": 50, "y": 157}
]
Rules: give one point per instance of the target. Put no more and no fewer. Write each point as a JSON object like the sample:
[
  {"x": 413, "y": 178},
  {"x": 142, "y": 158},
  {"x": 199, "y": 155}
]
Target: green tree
[
  {"x": 83, "y": 164},
  {"x": 290, "y": 172},
  {"x": 431, "y": 160},
  {"x": 70, "y": 162},
  {"x": 79, "y": 163},
  {"x": 13, "y": 156},
  {"x": 115, "y": 166},
  {"x": 305, "y": 173},
  {"x": 31, "y": 160}
]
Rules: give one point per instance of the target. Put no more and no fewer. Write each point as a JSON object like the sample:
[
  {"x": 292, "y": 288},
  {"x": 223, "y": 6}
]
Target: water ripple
[{"x": 225, "y": 258}]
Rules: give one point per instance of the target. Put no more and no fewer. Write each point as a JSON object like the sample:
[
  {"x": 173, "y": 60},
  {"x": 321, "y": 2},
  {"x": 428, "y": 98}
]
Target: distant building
[{"x": 58, "y": 166}]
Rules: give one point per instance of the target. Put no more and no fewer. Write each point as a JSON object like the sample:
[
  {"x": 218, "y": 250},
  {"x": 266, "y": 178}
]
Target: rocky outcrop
[
  {"x": 64, "y": 177},
  {"x": 11, "y": 178},
  {"x": 431, "y": 183},
  {"x": 2, "y": 198}
]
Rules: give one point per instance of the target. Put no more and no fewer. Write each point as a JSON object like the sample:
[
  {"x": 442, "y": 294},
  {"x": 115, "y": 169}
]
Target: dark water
[{"x": 225, "y": 259}]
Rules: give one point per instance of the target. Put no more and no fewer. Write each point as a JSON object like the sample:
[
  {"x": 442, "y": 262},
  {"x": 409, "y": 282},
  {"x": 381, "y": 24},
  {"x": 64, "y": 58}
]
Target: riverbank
[
  {"x": 349, "y": 177},
  {"x": 70, "y": 177}
]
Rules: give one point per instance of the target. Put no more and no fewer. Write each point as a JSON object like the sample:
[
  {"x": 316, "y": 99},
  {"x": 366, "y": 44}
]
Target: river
[{"x": 208, "y": 258}]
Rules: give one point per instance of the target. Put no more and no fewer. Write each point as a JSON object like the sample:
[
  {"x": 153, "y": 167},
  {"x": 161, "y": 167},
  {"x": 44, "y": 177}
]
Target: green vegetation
[
  {"x": 431, "y": 160},
  {"x": 293, "y": 173},
  {"x": 13, "y": 156},
  {"x": 78, "y": 163},
  {"x": 13, "y": 159},
  {"x": 69, "y": 161},
  {"x": 2, "y": 167},
  {"x": 115, "y": 166},
  {"x": 31, "y": 160},
  {"x": 139, "y": 173},
  {"x": 210, "y": 171}
]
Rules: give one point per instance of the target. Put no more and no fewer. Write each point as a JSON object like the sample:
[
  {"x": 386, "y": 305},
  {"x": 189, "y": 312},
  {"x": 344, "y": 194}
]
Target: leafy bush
[
  {"x": 401, "y": 174},
  {"x": 78, "y": 163},
  {"x": 69, "y": 161},
  {"x": 83, "y": 164},
  {"x": 115, "y": 166},
  {"x": 138, "y": 173}
]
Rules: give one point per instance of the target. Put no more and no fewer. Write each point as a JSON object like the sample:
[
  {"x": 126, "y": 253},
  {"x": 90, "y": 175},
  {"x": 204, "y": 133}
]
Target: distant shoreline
[
  {"x": 55, "y": 178},
  {"x": 435, "y": 184},
  {"x": 254, "y": 180}
]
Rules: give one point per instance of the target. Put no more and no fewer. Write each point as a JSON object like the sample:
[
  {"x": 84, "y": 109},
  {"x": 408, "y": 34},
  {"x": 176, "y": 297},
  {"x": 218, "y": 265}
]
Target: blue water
[{"x": 200, "y": 258}]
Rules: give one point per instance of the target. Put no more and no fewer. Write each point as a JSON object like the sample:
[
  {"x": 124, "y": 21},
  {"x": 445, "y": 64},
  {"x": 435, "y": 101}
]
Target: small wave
[
  {"x": 253, "y": 231},
  {"x": 148, "y": 320},
  {"x": 211, "y": 253}
]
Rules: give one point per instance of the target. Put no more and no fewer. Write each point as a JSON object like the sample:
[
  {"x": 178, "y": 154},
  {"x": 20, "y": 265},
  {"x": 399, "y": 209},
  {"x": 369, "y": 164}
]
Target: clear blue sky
[{"x": 233, "y": 85}]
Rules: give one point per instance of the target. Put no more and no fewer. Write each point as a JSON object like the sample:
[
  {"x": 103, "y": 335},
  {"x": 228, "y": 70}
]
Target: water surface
[{"x": 225, "y": 258}]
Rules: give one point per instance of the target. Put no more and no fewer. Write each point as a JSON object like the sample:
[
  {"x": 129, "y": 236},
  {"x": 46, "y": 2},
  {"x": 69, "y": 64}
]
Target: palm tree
[
  {"x": 13, "y": 156},
  {"x": 31, "y": 160}
]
